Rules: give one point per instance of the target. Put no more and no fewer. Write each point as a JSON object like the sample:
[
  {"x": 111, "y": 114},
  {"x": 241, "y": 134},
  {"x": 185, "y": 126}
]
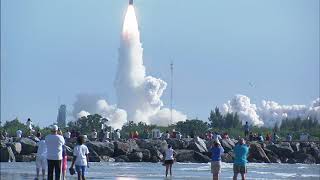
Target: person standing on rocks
[
  {"x": 54, "y": 143},
  {"x": 246, "y": 129},
  {"x": 241, "y": 151},
  {"x": 169, "y": 158},
  {"x": 41, "y": 159},
  {"x": 80, "y": 158},
  {"x": 216, "y": 150}
]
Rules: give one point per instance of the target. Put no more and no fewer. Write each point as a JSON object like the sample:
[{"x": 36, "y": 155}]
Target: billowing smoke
[
  {"x": 270, "y": 112},
  {"x": 138, "y": 95}
]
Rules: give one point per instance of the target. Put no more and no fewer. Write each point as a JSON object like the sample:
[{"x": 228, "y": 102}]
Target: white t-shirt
[
  {"x": 54, "y": 146},
  {"x": 107, "y": 134},
  {"x": 29, "y": 124},
  {"x": 42, "y": 149},
  {"x": 169, "y": 154},
  {"x": 80, "y": 152},
  {"x": 19, "y": 133}
]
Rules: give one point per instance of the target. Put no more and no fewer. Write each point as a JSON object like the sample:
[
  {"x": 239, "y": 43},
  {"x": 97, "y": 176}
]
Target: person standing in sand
[
  {"x": 41, "y": 159},
  {"x": 241, "y": 151},
  {"x": 169, "y": 158},
  {"x": 216, "y": 150},
  {"x": 54, "y": 143}
]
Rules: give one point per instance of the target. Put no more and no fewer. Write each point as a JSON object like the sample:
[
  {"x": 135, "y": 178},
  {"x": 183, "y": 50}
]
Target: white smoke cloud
[
  {"x": 246, "y": 111},
  {"x": 138, "y": 95},
  {"x": 270, "y": 112}
]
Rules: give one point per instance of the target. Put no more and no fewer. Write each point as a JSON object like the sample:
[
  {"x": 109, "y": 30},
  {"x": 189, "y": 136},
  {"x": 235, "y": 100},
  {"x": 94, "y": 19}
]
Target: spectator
[
  {"x": 19, "y": 133},
  {"x": 260, "y": 138},
  {"x": 246, "y": 129},
  {"x": 29, "y": 125},
  {"x": 64, "y": 159},
  {"x": 41, "y": 158},
  {"x": 80, "y": 158},
  {"x": 241, "y": 151},
  {"x": 94, "y": 135},
  {"x": 268, "y": 137},
  {"x": 54, "y": 143},
  {"x": 216, "y": 150},
  {"x": 289, "y": 137},
  {"x": 216, "y": 136},
  {"x": 250, "y": 136},
  {"x": 169, "y": 158},
  {"x": 275, "y": 137},
  {"x": 107, "y": 135},
  {"x": 179, "y": 135},
  {"x": 167, "y": 135},
  {"x": 101, "y": 135},
  {"x": 67, "y": 135}
]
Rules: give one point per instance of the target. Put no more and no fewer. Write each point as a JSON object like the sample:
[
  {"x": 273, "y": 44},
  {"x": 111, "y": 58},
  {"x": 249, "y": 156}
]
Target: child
[
  {"x": 41, "y": 160},
  {"x": 64, "y": 158},
  {"x": 80, "y": 158}
]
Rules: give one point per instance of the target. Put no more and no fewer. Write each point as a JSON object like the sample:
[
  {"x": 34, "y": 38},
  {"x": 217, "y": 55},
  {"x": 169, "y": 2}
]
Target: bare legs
[
  {"x": 215, "y": 176},
  {"x": 243, "y": 176},
  {"x": 168, "y": 168}
]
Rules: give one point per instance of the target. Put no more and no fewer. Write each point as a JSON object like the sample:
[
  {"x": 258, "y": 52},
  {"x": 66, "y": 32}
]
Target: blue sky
[{"x": 52, "y": 49}]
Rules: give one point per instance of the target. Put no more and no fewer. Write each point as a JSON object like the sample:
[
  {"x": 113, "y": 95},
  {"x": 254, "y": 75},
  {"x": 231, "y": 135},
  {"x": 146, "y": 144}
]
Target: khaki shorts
[
  {"x": 215, "y": 167},
  {"x": 239, "y": 169},
  {"x": 41, "y": 162}
]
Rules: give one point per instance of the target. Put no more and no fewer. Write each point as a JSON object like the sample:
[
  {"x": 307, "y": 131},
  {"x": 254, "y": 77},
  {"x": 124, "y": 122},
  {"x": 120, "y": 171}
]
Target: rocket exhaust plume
[{"x": 138, "y": 95}]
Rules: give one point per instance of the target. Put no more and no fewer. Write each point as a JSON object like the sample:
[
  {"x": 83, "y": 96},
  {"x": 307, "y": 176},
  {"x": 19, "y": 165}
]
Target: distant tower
[
  {"x": 171, "y": 92},
  {"x": 62, "y": 115}
]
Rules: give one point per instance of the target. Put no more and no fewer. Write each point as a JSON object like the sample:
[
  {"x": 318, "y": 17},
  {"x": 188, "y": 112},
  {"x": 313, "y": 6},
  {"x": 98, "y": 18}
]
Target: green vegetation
[{"x": 230, "y": 123}]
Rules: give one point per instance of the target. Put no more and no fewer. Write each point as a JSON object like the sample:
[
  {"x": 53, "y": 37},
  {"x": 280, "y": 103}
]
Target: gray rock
[
  {"x": 101, "y": 148},
  {"x": 121, "y": 148},
  {"x": 122, "y": 158},
  {"x": 177, "y": 143},
  {"x": 197, "y": 144},
  {"x": 26, "y": 158},
  {"x": 301, "y": 157},
  {"x": 256, "y": 152},
  {"x": 295, "y": 146},
  {"x": 28, "y": 146},
  {"x": 227, "y": 144},
  {"x": 135, "y": 156},
  {"x": 191, "y": 156},
  {"x": 227, "y": 157},
  {"x": 282, "y": 150}
]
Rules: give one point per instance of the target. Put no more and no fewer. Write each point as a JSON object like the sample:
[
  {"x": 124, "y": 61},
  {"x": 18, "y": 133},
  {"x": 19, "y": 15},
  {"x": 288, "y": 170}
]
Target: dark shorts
[
  {"x": 168, "y": 162},
  {"x": 242, "y": 169}
]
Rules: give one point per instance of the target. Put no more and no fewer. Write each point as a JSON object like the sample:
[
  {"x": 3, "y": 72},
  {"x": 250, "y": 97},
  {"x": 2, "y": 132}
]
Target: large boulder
[
  {"x": 135, "y": 156},
  {"x": 282, "y": 150},
  {"x": 156, "y": 155},
  {"x": 304, "y": 158},
  {"x": 191, "y": 156},
  {"x": 121, "y": 148},
  {"x": 257, "y": 153},
  {"x": 26, "y": 158},
  {"x": 16, "y": 147},
  {"x": 198, "y": 144},
  {"x": 28, "y": 146},
  {"x": 93, "y": 156},
  {"x": 122, "y": 158},
  {"x": 150, "y": 144},
  {"x": 295, "y": 146},
  {"x": 227, "y": 144},
  {"x": 146, "y": 155},
  {"x": 273, "y": 157},
  {"x": 101, "y": 148},
  {"x": 177, "y": 143},
  {"x": 227, "y": 157}
]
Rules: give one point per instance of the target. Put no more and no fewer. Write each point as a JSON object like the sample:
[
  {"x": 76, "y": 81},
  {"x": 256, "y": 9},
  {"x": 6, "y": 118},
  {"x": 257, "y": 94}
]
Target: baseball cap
[{"x": 54, "y": 128}]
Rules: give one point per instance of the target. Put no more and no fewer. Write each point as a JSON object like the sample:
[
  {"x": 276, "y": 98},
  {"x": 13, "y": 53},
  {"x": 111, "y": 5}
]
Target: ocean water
[{"x": 181, "y": 171}]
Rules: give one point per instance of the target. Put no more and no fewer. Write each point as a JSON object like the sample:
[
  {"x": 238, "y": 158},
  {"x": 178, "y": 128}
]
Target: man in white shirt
[
  {"x": 41, "y": 160},
  {"x": 54, "y": 144}
]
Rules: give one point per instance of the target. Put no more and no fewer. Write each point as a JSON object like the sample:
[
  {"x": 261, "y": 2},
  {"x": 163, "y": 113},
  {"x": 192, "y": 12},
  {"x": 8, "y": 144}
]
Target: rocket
[{"x": 130, "y": 2}]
